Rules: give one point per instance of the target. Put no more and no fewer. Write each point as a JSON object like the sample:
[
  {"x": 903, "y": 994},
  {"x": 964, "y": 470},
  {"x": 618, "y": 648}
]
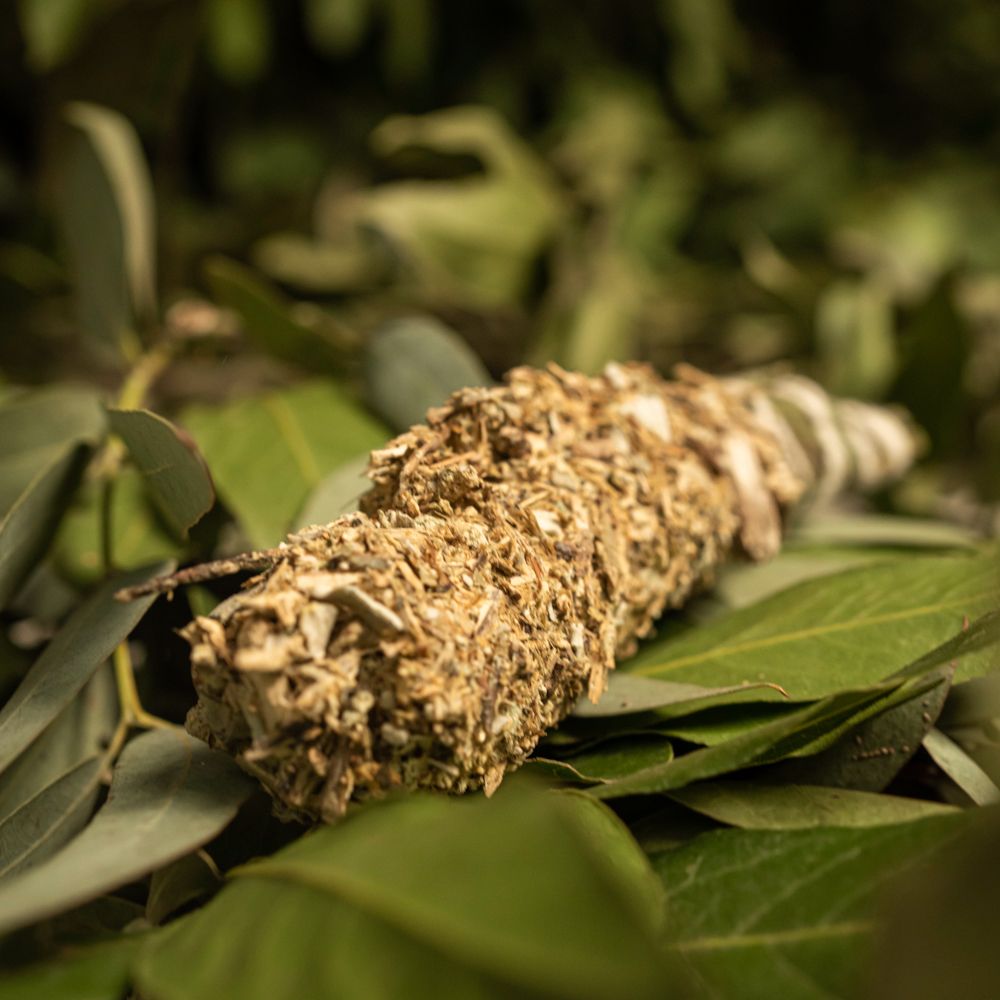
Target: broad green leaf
[
  {"x": 793, "y": 807},
  {"x": 81, "y": 731},
  {"x": 174, "y": 471},
  {"x": 628, "y": 693},
  {"x": 835, "y": 632},
  {"x": 789, "y": 913},
  {"x": 475, "y": 238},
  {"x": 99, "y": 972},
  {"x": 337, "y": 494},
  {"x": 26, "y": 528},
  {"x": 139, "y": 535},
  {"x": 36, "y": 427},
  {"x": 517, "y": 895},
  {"x": 169, "y": 794},
  {"x": 272, "y": 324},
  {"x": 44, "y": 823},
  {"x": 86, "y": 640},
  {"x": 415, "y": 363},
  {"x": 609, "y": 759},
  {"x": 961, "y": 768},
  {"x": 109, "y": 226},
  {"x": 267, "y": 452}
]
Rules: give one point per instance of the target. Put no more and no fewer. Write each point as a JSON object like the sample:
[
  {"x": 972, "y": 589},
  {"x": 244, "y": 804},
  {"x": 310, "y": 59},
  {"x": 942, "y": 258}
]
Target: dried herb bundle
[{"x": 509, "y": 550}]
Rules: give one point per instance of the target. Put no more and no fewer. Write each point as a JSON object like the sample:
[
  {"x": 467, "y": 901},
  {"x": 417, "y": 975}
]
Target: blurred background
[{"x": 729, "y": 183}]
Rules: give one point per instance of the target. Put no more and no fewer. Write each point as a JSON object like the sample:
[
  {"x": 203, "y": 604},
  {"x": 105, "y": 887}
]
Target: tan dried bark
[{"x": 509, "y": 551}]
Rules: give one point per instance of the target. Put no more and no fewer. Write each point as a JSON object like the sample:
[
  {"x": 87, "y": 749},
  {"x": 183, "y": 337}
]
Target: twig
[{"x": 198, "y": 574}]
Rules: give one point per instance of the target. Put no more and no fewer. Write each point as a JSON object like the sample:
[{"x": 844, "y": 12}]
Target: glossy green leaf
[
  {"x": 415, "y": 363},
  {"x": 758, "y": 806},
  {"x": 99, "y": 972},
  {"x": 27, "y": 527},
  {"x": 520, "y": 894},
  {"x": 271, "y": 322},
  {"x": 961, "y": 768},
  {"x": 267, "y": 452},
  {"x": 109, "y": 226},
  {"x": 68, "y": 662},
  {"x": 169, "y": 794},
  {"x": 790, "y": 913},
  {"x": 174, "y": 471},
  {"x": 835, "y": 632}
]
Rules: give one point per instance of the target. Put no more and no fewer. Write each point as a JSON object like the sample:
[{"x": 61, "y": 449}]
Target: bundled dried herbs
[{"x": 508, "y": 552}]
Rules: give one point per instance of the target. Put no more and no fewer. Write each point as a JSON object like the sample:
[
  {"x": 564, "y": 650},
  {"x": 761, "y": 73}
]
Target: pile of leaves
[{"x": 790, "y": 791}]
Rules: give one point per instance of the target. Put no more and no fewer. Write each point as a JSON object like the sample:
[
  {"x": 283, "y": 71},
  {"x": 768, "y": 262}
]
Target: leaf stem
[{"x": 132, "y": 712}]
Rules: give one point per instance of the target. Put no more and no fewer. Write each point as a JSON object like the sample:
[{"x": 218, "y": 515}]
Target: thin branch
[{"x": 200, "y": 573}]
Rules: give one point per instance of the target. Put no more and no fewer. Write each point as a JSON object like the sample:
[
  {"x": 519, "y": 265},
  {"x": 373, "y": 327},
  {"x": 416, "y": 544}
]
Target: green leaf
[
  {"x": 961, "y": 768},
  {"x": 793, "y": 807},
  {"x": 139, "y": 535},
  {"x": 475, "y": 238},
  {"x": 181, "y": 883},
  {"x": 169, "y": 794},
  {"x": 628, "y": 693},
  {"x": 52, "y": 29},
  {"x": 41, "y": 826},
  {"x": 68, "y": 662},
  {"x": 270, "y": 322},
  {"x": 523, "y": 894},
  {"x": 37, "y": 427},
  {"x": 609, "y": 759},
  {"x": 27, "y": 527},
  {"x": 337, "y": 493},
  {"x": 81, "y": 731},
  {"x": 762, "y": 743},
  {"x": 267, "y": 452},
  {"x": 337, "y": 26},
  {"x": 168, "y": 459},
  {"x": 414, "y": 364},
  {"x": 789, "y": 913},
  {"x": 99, "y": 972},
  {"x": 109, "y": 226},
  {"x": 835, "y": 632}
]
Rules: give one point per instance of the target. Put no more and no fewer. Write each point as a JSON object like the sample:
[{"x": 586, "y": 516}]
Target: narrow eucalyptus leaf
[
  {"x": 169, "y": 795},
  {"x": 961, "y": 768},
  {"x": 758, "y": 806},
  {"x": 174, "y": 471},
  {"x": 27, "y": 527},
  {"x": 86, "y": 640},
  {"x": 109, "y": 226}
]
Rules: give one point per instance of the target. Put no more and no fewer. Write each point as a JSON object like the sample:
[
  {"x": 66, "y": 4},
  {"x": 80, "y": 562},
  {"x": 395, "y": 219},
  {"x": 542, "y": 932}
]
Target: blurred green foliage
[{"x": 716, "y": 181}]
